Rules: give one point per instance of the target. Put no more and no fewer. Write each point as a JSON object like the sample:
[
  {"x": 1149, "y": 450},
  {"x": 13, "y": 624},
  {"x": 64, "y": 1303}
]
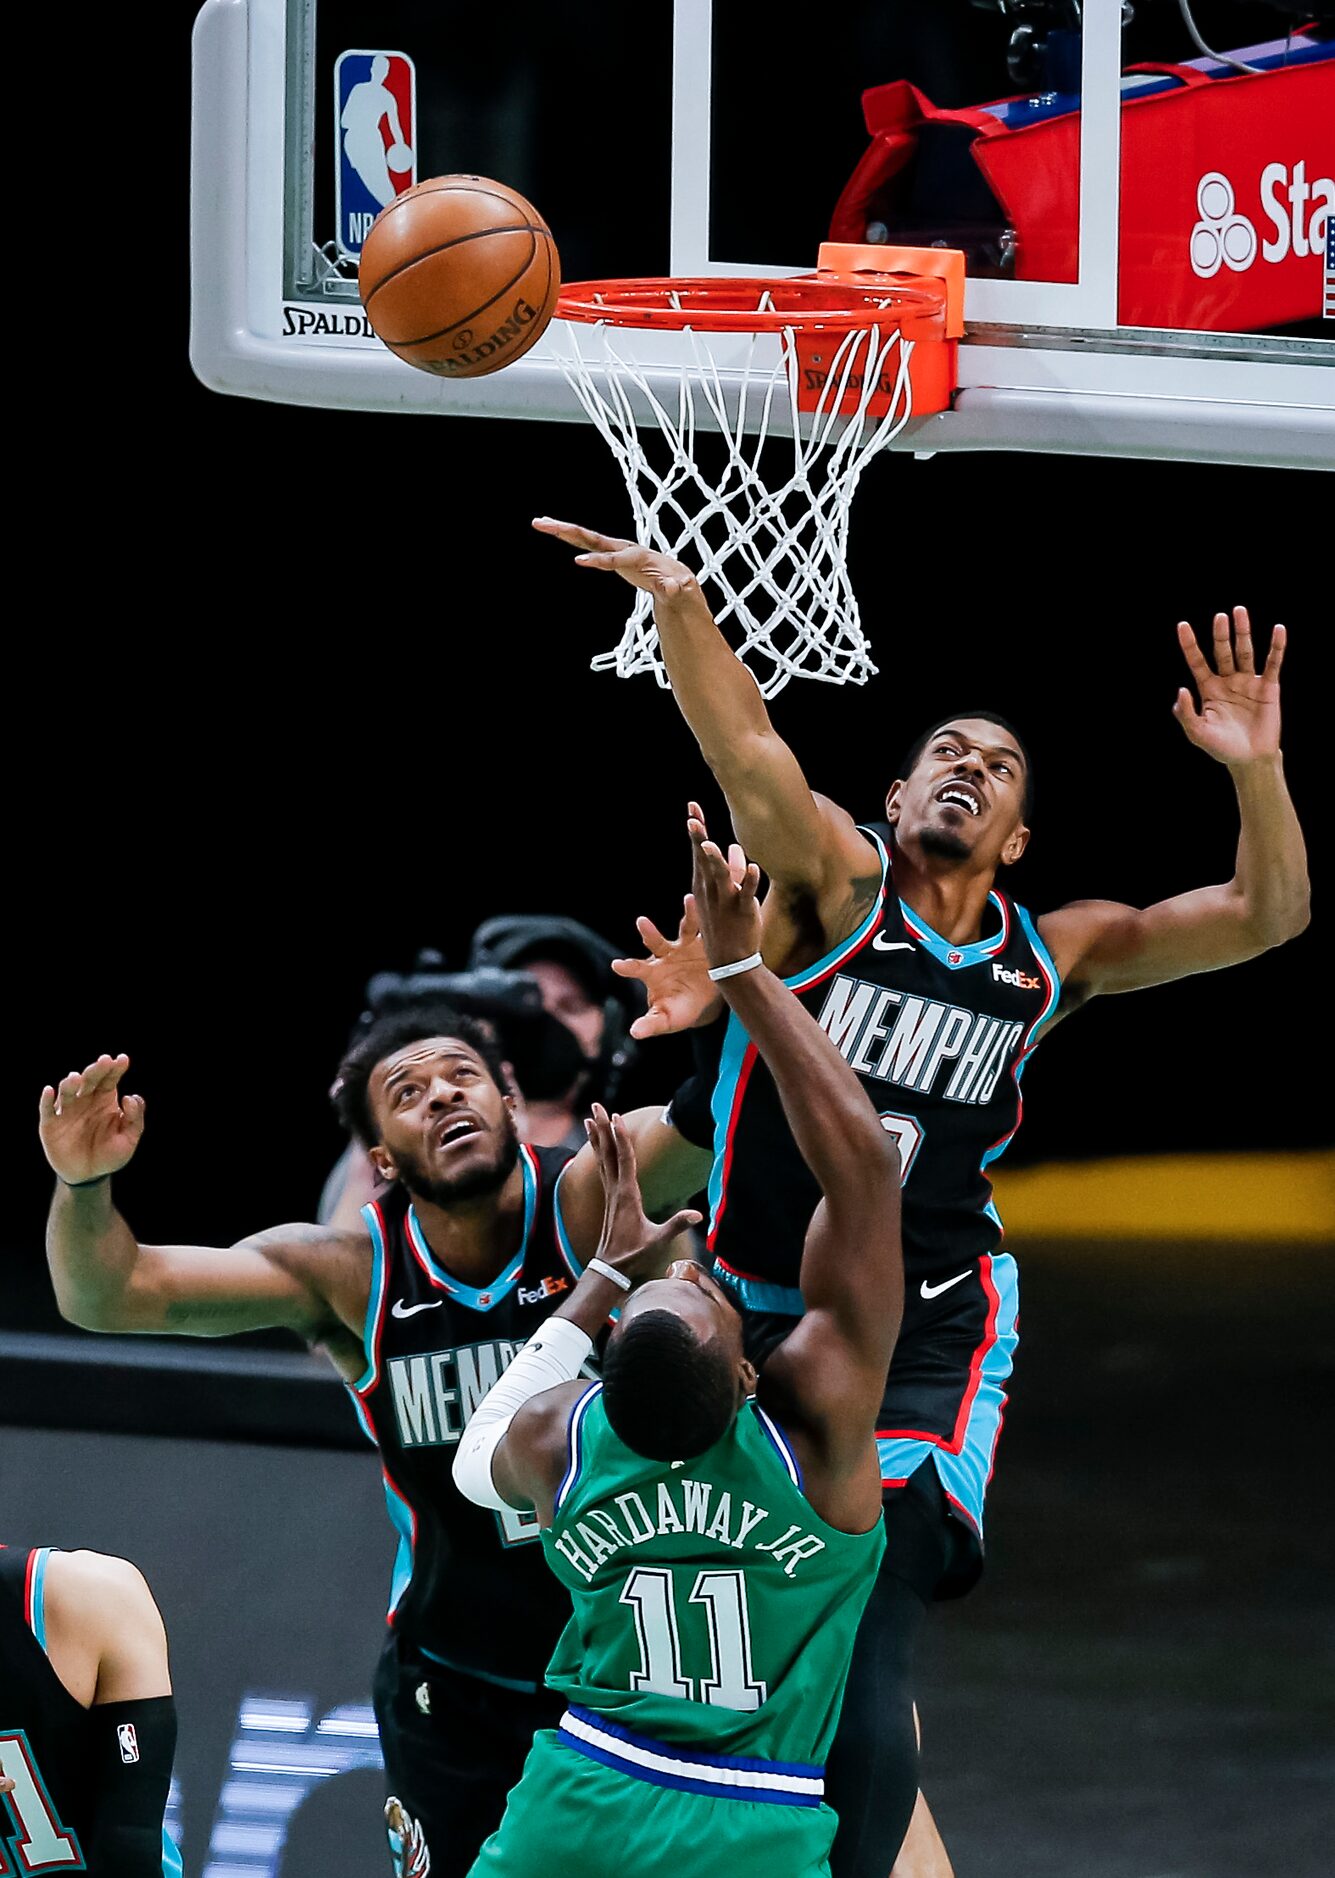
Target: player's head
[
  {"x": 430, "y": 1105},
  {"x": 380, "y": 68},
  {"x": 965, "y": 791},
  {"x": 675, "y": 1373}
]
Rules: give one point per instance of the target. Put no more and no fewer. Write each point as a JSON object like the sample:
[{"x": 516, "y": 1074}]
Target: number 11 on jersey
[{"x": 731, "y": 1682}]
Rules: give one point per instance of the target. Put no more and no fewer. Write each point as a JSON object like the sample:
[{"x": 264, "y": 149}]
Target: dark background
[
  {"x": 296, "y": 692},
  {"x": 304, "y": 693}
]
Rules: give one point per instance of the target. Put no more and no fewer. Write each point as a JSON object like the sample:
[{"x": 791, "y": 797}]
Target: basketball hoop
[{"x": 836, "y": 361}]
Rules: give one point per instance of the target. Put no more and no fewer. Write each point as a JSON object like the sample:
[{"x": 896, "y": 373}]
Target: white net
[{"x": 762, "y": 518}]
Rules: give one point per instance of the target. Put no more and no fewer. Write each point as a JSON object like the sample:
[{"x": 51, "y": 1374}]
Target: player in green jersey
[{"x": 719, "y": 1534}]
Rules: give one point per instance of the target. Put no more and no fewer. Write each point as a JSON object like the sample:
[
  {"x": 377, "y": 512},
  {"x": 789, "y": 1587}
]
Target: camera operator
[{"x": 545, "y": 987}]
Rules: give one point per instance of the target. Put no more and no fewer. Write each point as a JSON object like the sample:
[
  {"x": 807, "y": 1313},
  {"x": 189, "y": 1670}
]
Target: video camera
[{"x": 545, "y": 1055}]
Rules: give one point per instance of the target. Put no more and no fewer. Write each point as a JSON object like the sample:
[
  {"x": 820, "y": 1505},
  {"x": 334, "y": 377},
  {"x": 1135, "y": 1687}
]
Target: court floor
[{"x": 1142, "y": 1686}]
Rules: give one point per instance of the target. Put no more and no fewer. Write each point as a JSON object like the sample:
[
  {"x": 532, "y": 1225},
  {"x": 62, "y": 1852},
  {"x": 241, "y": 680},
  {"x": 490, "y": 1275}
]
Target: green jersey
[{"x": 713, "y": 1607}]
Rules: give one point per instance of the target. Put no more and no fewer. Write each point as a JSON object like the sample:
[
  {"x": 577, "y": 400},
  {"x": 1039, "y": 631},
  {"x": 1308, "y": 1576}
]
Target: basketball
[{"x": 459, "y": 276}]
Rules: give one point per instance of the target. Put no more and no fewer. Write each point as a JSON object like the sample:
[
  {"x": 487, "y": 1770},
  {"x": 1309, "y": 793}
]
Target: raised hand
[
  {"x": 1237, "y": 720},
  {"x": 723, "y": 895},
  {"x": 629, "y": 1240},
  {"x": 675, "y": 977},
  {"x": 658, "y": 574},
  {"x": 87, "y": 1129}
]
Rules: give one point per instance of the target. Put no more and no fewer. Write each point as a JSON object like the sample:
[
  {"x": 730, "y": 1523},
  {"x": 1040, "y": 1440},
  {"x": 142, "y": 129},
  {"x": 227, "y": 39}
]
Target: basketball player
[
  {"x": 719, "y": 1535},
  {"x": 88, "y": 1727},
  {"x": 419, "y": 1309},
  {"x": 936, "y": 986}
]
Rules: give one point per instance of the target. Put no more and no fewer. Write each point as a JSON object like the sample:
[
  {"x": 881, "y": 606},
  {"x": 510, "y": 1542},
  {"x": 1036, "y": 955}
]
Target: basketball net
[{"x": 771, "y": 537}]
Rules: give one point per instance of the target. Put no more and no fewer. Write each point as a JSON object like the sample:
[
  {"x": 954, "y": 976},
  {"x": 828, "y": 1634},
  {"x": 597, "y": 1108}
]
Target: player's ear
[
  {"x": 892, "y": 802},
  {"x": 383, "y": 1162},
  {"x": 1015, "y": 846},
  {"x": 747, "y": 1376}
]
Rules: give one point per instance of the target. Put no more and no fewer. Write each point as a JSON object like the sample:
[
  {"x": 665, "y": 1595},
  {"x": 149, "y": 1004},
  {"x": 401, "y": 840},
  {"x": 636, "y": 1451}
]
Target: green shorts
[{"x": 570, "y": 1814}]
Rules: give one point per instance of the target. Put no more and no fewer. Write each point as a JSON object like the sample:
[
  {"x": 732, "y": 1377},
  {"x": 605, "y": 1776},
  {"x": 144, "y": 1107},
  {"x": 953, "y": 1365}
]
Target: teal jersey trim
[
  {"x": 957, "y": 958},
  {"x": 562, "y": 1236},
  {"x": 481, "y": 1297},
  {"x": 37, "y": 1609},
  {"x": 375, "y": 1299}
]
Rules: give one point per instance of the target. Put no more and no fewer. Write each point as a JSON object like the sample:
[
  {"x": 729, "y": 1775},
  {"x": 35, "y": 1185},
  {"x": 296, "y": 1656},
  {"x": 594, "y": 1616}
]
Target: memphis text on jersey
[
  {"x": 921, "y": 1043},
  {"x": 435, "y": 1394},
  {"x": 680, "y": 1506}
]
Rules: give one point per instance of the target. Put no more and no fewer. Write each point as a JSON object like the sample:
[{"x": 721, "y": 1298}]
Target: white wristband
[
  {"x": 552, "y": 1355},
  {"x": 605, "y": 1270},
  {"x": 742, "y": 965}
]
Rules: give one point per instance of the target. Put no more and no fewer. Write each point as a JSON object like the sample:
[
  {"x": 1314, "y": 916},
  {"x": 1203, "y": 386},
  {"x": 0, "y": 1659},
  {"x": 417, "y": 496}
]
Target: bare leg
[{"x": 922, "y": 1854}]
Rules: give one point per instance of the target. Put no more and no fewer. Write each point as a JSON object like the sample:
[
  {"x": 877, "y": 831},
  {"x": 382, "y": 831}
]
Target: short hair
[
  {"x": 395, "y": 1031},
  {"x": 992, "y": 717},
  {"x": 668, "y": 1395}
]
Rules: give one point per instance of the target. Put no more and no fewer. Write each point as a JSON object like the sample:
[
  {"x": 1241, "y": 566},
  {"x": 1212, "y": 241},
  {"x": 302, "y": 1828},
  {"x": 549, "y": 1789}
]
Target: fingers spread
[
  {"x": 1242, "y": 630},
  {"x": 1223, "y": 645},
  {"x": 1196, "y": 660},
  {"x": 653, "y": 939},
  {"x": 1279, "y": 638}
]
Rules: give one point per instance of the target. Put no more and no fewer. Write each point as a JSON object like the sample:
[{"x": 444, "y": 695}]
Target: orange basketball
[{"x": 459, "y": 276}]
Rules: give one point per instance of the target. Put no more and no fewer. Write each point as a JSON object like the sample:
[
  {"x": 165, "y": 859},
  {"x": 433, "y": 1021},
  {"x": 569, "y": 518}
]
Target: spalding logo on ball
[{"x": 459, "y": 276}]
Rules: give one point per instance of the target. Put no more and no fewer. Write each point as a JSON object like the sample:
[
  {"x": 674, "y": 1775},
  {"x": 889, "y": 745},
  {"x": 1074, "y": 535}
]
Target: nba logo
[
  {"x": 375, "y": 119},
  {"x": 129, "y": 1743}
]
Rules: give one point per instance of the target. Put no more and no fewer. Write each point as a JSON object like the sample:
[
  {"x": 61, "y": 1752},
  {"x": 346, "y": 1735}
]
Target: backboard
[{"x": 1149, "y": 237}]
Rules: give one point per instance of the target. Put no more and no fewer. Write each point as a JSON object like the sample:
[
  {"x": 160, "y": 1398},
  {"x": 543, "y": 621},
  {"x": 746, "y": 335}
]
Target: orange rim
[{"x": 733, "y": 304}]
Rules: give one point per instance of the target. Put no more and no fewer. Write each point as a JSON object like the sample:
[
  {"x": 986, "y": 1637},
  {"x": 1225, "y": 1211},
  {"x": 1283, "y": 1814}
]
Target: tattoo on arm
[{"x": 189, "y": 1312}]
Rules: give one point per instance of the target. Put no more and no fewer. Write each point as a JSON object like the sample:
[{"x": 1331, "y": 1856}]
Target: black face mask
[{"x": 546, "y": 1057}]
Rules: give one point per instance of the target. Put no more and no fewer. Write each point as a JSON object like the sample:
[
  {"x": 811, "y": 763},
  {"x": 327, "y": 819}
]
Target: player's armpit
[
  {"x": 105, "y": 1633},
  {"x": 1100, "y": 946}
]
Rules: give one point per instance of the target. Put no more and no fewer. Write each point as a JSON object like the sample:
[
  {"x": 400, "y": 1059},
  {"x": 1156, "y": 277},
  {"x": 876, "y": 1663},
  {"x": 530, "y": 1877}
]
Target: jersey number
[
  {"x": 731, "y": 1682},
  {"x": 42, "y": 1843},
  {"x": 908, "y": 1135}
]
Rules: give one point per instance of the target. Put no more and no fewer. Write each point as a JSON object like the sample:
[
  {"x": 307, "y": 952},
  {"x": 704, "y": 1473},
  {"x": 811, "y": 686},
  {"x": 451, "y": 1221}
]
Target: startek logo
[
  {"x": 549, "y": 1288},
  {"x": 1021, "y": 980},
  {"x": 1297, "y": 213}
]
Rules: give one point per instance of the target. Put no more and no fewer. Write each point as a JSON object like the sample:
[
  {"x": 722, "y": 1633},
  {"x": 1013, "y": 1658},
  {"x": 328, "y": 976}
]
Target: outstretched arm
[
  {"x": 807, "y": 845},
  {"x": 831, "y": 1370},
  {"x": 105, "y": 1280},
  {"x": 1099, "y": 946}
]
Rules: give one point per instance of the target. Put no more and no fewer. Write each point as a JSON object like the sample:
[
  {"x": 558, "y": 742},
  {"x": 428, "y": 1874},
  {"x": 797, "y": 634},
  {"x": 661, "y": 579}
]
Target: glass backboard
[{"x": 1147, "y": 225}]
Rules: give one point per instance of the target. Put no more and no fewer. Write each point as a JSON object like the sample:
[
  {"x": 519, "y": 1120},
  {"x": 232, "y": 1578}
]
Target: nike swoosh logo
[
  {"x": 881, "y": 944},
  {"x": 934, "y": 1291},
  {"x": 400, "y": 1309}
]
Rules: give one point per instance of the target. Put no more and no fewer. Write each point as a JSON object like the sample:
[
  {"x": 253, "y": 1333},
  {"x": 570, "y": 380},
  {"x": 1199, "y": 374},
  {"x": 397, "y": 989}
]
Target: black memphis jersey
[
  {"x": 45, "y": 1735},
  {"x": 939, "y": 1035},
  {"x": 470, "y": 1586}
]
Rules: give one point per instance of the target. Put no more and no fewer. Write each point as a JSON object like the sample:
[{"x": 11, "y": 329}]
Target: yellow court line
[{"x": 1177, "y": 1196}]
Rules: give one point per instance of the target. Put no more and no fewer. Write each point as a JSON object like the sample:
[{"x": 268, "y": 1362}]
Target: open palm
[
  {"x": 1237, "y": 720},
  {"x": 86, "y": 1129}
]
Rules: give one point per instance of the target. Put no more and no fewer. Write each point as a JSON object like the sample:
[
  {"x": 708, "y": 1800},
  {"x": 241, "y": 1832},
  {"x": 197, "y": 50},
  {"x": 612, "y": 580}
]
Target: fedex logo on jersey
[
  {"x": 551, "y": 1287},
  {"x": 375, "y": 120}
]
